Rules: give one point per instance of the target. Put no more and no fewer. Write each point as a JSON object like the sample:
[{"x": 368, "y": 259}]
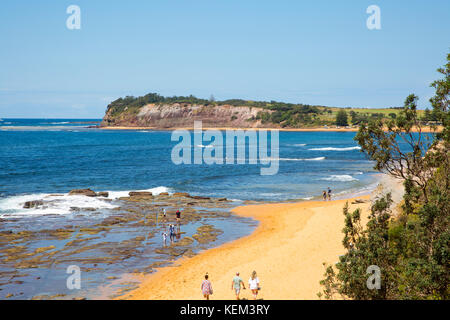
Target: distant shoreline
[{"x": 317, "y": 129}]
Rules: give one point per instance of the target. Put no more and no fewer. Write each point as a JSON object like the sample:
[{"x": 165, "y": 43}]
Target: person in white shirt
[
  {"x": 164, "y": 237},
  {"x": 253, "y": 284}
]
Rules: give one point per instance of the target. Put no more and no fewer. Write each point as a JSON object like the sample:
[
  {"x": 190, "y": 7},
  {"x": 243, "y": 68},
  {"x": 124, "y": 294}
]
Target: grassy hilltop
[{"x": 266, "y": 113}]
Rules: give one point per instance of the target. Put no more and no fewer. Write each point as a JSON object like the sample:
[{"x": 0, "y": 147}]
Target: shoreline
[
  {"x": 317, "y": 129},
  {"x": 272, "y": 250},
  {"x": 287, "y": 249}
]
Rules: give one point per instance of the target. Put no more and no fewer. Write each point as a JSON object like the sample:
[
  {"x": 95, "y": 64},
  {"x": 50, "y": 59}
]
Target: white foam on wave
[
  {"x": 155, "y": 191},
  {"x": 203, "y": 146},
  {"x": 280, "y": 159},
  {"x": 61, "y": 204},
  {"x": 52, "y": 204},
  {"x": 302, "y": 159},
  {"x": 335, "y": 149},
  {"x": 340, "y": 178}
]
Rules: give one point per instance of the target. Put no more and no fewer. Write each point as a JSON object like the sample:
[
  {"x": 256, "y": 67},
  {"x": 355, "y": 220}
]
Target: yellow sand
[
  {"x": 287, "y": 250},
  {"x": 317, "y": 129}
]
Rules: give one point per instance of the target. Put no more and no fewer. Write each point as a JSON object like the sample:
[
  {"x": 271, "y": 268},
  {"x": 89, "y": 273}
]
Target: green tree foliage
[
  {"x": 342, "y": 118},
  {"x": 132, "y": 104},
  {"x": 412, "y": 249},
  {"x": 427, "y": 115},
  {"x": 358, "y": 118}
]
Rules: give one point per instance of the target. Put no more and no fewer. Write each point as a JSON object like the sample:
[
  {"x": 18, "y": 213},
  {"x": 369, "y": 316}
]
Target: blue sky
[{"x": 315, "y": 52}]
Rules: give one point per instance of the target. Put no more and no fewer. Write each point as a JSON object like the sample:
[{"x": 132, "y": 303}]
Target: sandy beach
[
  {"x": 287, "y": 250},
  {"x": 318, "y": 129}
]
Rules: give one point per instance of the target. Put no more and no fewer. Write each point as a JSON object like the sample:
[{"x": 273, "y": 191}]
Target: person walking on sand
[
  {"x": 253, "y": 284},
  {"x": 329, "y": 194},
  {"x": 236, "y": 285},
  {"x": 206, "y": 287}
]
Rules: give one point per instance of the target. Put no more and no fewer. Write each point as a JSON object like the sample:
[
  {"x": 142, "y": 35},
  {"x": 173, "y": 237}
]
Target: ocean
[
  {"x": 43, "y": 159},
  {"x": 46, "y": 156}
]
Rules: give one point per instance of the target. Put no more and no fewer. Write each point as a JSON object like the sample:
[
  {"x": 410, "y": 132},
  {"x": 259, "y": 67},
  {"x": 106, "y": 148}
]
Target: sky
[{"x": 312, "y": 52}]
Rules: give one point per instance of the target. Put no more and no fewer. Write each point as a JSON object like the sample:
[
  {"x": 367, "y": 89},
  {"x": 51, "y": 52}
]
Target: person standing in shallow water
[
  {"x": 207, "y": 287},
  {"x": 171, "y": 232},
  {"x": 324, "y": 195},
  {"x": 329, "y": 194}
]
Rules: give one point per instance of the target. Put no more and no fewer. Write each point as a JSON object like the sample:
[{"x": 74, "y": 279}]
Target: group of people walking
[
  {"x": 236, "y": 284},
  {"x": 326, "y": 194}
]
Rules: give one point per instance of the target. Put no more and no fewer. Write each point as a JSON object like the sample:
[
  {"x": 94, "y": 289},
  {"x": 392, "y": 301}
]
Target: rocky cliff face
[{"x": 183, "y": 116}]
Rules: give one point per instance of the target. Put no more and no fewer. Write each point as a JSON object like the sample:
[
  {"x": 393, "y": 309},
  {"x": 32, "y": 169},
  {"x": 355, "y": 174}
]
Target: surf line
[{"x": 213, "y": 153}]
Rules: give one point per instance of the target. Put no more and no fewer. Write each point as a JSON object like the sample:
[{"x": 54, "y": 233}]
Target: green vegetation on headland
[
  {"x": 411, "y": 248},
  {"x": 273, "y": 113}
]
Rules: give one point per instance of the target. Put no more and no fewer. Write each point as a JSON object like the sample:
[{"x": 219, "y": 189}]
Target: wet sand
[{"x": 287, "y": 250}]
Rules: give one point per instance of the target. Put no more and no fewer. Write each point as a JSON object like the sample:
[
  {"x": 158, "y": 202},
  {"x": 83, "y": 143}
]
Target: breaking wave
[
  {"x": 335, "y": 149},
  {"x": 340, "y": 178},
  {"x": 62, "y": 203}
]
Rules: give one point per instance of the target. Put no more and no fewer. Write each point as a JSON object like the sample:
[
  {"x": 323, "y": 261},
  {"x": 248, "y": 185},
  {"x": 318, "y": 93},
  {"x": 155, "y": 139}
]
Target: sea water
[{"x": 46, "y": 158}]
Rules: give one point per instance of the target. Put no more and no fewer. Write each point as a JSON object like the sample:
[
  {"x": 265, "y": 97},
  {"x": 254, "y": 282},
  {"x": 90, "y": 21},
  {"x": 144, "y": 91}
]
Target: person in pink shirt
[{"x": 207, "y": 287}]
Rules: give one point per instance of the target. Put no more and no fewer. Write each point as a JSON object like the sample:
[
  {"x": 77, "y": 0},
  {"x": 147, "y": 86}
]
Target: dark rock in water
[
  {"x": 222, "y": 199},
  {"x": 140, "y": 194},
  {"x": 181, "y": 194},
  {"x": 33, "y": 204},
  {"x": 103, "y": 194},
  {"x": 199, "y": 198},
  {"x": 82, "y": 192}
]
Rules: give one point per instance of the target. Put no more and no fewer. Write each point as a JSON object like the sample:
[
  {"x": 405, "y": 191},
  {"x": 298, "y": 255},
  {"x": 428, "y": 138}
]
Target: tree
[
  {"x": 365, "y": 247},
  {"x": 342, "y": 118},
  {"x": 353, "y": 117},
  {"x": 412, "y": 249},
  {"x": 427, "y": 115}
]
